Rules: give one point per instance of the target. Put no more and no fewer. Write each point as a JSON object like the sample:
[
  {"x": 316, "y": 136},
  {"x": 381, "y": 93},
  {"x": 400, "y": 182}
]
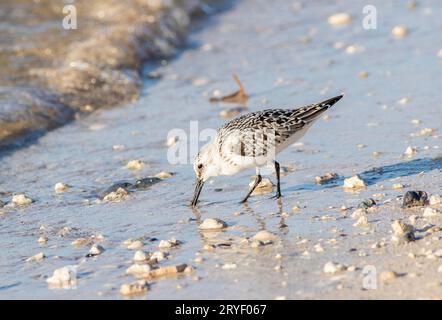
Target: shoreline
[{"x": 94, "y": 67}]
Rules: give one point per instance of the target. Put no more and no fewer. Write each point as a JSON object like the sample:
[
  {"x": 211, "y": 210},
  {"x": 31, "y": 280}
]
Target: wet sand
[{"x": 285, "y": 55}]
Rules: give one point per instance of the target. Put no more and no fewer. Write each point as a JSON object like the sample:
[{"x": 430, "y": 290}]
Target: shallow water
[{"x": 264, "y": 43}]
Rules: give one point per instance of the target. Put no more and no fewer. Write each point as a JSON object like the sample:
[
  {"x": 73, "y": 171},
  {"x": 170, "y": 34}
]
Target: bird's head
[{"x": 205, "y": 166}]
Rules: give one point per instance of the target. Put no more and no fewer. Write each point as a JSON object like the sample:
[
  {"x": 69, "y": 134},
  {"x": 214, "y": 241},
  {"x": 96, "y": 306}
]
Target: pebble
[
  {"x": 339, "y": 19},
  {"x": 229, "y": 266},
  {"x": 137, "y": 244},
  {"x": 353, "y": 49},
  {"x": 333, "y": 267},
  {"x": 265, "y": 237},
  {"x": 135, "y": 288},
  {"x": 164, "y": 175},
  {"x": 42, "y": 240},
  {"x": 318, "y": 247},
  {"x": 120, "y": 194},
  {"x": 61, "y": 187},
  {"x": 435, "y": 200},
  {"x": 139, "y": 270},
  {"x": 397, "y": 186},
  {"x": 296, "y": 209},
  {"x": 400, "y": 32},
  {"x": 410, "y": 151},
  {"x": 63, "y": 278},
  {"x": 363, "y": 74},
  {"x": 38, "y": 257},
  {"x": 21, "y": 200},
  {"x": 367, "y": 203},
  {"x": 118, "y": 147},
  {"x": 326, "y": 178},
  {"x": 362, "y": 222},
  {"x": 403, "y": 101},
  {"x": 354, "y": 182},
  {"x": 430, "y": 212},
  {"x": 212, "y": 224},
  {"x": 416, "y": 121},
  {"x": 134, "y": 165},
  {"x": 415, "y": 199},
  {"x": 95, "y": 250},
  {"x": 264, "y": 187},
  {"x": 387, "y": 276}
]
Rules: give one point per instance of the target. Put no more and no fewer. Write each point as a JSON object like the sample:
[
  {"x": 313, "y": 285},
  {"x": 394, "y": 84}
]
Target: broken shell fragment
[
  {"x": 116, "y": 196},
  {"x": 139, "y": 270},
  {"x": 38, "y": 257},
  {"x": 326, "y": 178},
  {"x": 339, "y": 19},
  {"x": 135, "y": 165},
  {"x": 167, "y": 271},
  {"x": 410, "y": 152},
  {"x": 167, "y": 244},
  {"x": 135, "y": 288},
  {"x": 140, "y": 256},
  {"x": 95, "y": 250},
  {"x": 63, "y": 278},
  {"x": 21, "y": 200},
  {"x": 61, "y": 187},
  {"x": 354, "y": 182},
  {"x": 212, "y": 224},
  {"x": 265, "y": 237},
  {"x": 42, "y": 240},
  {"x": 133, "y": 245},
  {"x": 333, "y": 267},
  {"x": 387, "y": 276},
  {"x": 164, "y": 175},
  {"x": 400, "y": 32}
]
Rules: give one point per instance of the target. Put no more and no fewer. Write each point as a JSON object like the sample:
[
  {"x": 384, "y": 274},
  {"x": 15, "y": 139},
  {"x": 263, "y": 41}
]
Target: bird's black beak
[{"x": 198, "y": 187}]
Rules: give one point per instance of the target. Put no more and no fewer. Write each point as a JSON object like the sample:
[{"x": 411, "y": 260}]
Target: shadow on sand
[{"x": 378, "y": 174}]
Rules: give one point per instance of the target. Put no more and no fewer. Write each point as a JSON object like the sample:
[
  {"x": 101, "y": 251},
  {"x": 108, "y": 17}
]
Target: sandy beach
[{"x": 316, "y": 244}]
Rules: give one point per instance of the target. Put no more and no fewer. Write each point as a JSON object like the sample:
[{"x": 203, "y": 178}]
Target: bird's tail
[{"x": 312, "y": 112}]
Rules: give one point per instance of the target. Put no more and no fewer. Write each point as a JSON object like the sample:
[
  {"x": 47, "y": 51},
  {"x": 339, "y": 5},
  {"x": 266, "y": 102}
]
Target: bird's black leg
[
  {"x": 278, "y": 180},
  {"x": 257, "y": 181}
]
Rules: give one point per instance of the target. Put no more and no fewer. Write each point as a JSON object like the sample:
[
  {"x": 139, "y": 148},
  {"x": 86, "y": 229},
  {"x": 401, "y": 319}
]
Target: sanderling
[{"x": 253, "y": 140}]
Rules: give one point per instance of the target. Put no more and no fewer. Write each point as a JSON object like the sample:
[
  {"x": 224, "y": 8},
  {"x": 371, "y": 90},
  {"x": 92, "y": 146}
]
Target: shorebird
[{"x": 253, "y": 140}]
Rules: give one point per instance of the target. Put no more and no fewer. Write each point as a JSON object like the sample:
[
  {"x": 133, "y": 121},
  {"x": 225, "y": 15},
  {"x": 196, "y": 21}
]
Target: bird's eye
[{"x": 200, "y": 166}]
